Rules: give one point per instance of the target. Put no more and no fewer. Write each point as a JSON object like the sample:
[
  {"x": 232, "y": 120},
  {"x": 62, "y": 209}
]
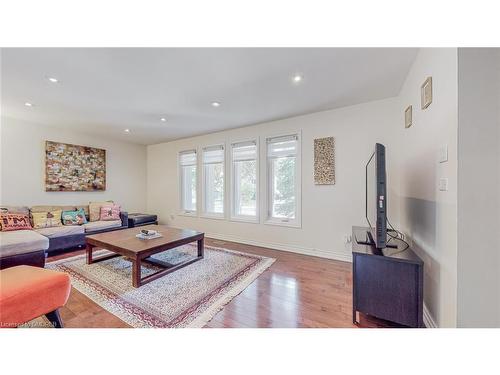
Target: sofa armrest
[{"x": 124, "y": 218}]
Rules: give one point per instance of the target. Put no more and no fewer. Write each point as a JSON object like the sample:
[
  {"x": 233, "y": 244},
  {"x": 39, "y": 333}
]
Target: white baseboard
[
  {"x": 329, "y": 254},
  {"x": 428, "y": 319}
]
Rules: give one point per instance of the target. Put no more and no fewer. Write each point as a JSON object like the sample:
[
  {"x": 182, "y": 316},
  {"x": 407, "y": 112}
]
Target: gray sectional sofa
[{"x": 30, "y": 247}]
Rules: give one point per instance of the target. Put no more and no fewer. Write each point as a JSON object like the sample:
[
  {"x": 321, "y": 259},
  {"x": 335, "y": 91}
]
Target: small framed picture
[
  {"x": 426, "y": 93},
  {"x": 408, "y": 116}
]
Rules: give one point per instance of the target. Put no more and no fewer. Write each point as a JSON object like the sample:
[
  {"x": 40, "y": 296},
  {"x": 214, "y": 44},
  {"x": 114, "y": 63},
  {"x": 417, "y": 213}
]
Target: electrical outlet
[
  {"x": 172, "y": 217},
  {"x": 347, "y": 238}
]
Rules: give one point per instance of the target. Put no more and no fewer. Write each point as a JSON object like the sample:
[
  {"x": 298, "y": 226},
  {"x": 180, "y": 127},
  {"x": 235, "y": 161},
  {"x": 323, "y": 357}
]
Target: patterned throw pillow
[
  {"x": 46, "y": 219},
  {"x": 74, "y": 217},
  {"x": 95, "y": 209},
  {"x": 10, "y": 222},
  {"x": 110, "y": 213}
]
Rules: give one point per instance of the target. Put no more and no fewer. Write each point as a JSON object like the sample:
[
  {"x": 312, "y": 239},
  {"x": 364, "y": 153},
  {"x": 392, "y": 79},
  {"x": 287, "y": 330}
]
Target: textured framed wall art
[
  {"x": 426, "y": 93},
  {"x": 74, "y": 168},
  {"x": 408, "y": 116},
  {"x": 324, "y": 161}
]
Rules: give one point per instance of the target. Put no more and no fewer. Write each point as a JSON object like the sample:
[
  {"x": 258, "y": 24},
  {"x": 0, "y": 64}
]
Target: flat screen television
[{"x": 376, "y": 197}]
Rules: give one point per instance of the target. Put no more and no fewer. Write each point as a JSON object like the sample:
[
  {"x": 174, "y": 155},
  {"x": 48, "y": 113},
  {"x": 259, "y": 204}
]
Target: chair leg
[{"x": 55, "y": 318}]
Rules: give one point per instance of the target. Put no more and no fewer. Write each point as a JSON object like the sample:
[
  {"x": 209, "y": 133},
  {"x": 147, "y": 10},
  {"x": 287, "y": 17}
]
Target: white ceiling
[{"x": 106, "y": 90}]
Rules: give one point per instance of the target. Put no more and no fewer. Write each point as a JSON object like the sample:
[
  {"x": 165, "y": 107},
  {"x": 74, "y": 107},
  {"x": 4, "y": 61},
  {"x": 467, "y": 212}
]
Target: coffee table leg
[
  {"x": 89, "y": 253},
  {"x": 136, "y": 273},
  {"x": 201, "y": 247}
]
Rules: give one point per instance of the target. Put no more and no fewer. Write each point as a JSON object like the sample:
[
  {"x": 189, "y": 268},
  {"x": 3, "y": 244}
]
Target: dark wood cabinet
[{"x": 387, "y": 283}]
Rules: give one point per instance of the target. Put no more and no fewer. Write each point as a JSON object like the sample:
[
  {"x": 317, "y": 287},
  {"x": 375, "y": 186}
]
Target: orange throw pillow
[{"x": 10, "y": 222}]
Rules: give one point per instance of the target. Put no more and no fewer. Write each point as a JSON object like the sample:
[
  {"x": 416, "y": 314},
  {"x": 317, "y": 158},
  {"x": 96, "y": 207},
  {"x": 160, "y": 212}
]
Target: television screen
[{"x": 376, "y": 199}]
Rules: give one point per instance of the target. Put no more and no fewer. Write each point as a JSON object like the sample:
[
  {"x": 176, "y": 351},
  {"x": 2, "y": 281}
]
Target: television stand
[
  {"x": 386, "y": 283},
  {"x": 370, "y": 241}
]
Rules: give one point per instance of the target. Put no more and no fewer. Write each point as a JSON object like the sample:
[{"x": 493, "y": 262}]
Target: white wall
[
  {"x": 23, "y": 167},
  {"x": 328, "y": 212},
  {"x": 479, "y": 187},
  {"x": 429, "y": 216}
]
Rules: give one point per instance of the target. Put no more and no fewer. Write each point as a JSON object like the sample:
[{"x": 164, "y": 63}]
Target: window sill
[
  {"x": 244, "y": 220},
  {"x": 290, "y": 224},
  {"x": 189, "y": 214},
  {"x": 215, "y": 217}
]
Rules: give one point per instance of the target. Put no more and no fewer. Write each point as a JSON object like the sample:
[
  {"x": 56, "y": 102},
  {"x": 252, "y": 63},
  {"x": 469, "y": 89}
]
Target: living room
[{"x": 263, "y": 187}]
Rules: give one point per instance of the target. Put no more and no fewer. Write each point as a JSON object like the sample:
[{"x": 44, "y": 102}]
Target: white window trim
[
  {"x": 204, "y": 214},
  {"x": 182, "y": 211},
  {"x": 297, "y": 222},
  {"x": 244, "y": 218}
]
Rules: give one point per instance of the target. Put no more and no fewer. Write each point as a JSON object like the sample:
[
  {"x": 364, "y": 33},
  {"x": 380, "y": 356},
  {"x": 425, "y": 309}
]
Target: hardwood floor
[{"x": 296, "y": 291}]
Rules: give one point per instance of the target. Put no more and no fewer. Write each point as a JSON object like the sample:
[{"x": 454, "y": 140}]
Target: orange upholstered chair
[{"x": 29, "y": 292}]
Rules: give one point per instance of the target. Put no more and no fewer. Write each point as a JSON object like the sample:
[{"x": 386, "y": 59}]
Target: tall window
[
  {"x": 213, "y": 181},
  {"x": 187, "y": 168},
  {"x": 244, "y": 183},
  {"x": 283, "y": 180}
]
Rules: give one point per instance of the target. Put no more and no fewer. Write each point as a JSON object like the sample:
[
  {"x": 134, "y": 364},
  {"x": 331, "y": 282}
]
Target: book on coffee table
[{"x": 143, "y": 236}]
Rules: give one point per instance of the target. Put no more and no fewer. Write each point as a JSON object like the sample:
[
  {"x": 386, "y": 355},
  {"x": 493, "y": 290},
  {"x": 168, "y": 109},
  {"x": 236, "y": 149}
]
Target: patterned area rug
[{"x": 188, "y": 297}]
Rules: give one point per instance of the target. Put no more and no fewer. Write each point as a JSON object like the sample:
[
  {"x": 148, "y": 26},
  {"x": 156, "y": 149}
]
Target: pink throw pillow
[{"x": 109, "y": 213}]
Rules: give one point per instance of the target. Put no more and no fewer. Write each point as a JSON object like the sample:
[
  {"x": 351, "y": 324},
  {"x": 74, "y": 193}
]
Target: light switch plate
[
  {"x": 443, "y": 184},
  {"x": 443, "y": 154}
]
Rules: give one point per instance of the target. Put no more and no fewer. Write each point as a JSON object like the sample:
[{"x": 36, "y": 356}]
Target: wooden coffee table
[{"x": 124, "y": 243}]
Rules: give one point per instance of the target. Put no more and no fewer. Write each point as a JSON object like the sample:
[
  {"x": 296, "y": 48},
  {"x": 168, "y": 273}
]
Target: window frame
[
  {"x": 297, "y": 222},
  {"x": 244, "y": 218},
  {"x": 203, "y": 213},
  {"x": 182, "y": 211}
]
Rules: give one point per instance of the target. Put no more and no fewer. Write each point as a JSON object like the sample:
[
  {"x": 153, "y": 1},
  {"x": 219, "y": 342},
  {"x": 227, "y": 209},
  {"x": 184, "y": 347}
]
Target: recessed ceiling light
[
  {"x": 163, "y": 119},
  {"x": 215, "y": 104},
  {"x": 28, "y": 104},
  {"x": 52, "y": 79},
  {"x": 127, "y": 130},
  {"x": 297, "y": 78}
]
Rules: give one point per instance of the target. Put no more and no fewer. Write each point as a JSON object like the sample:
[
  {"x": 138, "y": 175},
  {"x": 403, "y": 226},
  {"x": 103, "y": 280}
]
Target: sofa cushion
[
  {"x": 99, "y": 225},
  {"x": 110, "y": 213},
  {"x": 65, "y": 230},
  {"x": 10, "y": 222},
  {"x": 14, "y": 210},
  {"x": 47, "y": 208},
  {"x": 95, "y": 209},
  {"x": 136, "y": 219},
  {"x": 21, "y": 242},
  {"x": 76, "y": 217},
  {"x": 85, "y": 208},
  {"x": 46, "y": 219}
]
